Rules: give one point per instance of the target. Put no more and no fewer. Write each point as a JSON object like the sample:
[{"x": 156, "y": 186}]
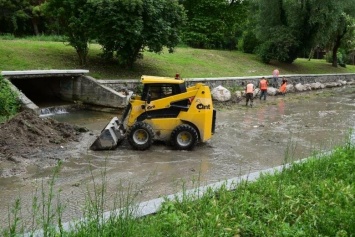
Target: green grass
[
  {"x": 312, "y": 198},
  {"x": 9, "y": 102},
  {"x": 34, "y": 54},
  {"x": 315, "y": 198}
]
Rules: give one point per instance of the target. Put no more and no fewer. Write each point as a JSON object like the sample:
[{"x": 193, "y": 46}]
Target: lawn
[{"x": 190, "y": 63}]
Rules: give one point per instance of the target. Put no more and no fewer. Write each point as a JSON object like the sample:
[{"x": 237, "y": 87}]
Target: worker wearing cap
[{"x": 275, "y": 78}]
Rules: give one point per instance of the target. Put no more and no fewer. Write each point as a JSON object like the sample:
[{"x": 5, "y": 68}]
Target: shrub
[
  {"x": 341, "y": 58},
  {"x": 9, "y": 102},
  {"x": 282, "y": 47},
  {"x": 7, "y": 36},
  {"x": 249, "y": 42}
]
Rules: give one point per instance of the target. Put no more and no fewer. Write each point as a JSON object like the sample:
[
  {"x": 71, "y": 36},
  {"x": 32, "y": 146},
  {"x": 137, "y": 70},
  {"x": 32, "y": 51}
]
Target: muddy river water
[{"x": 274, "y": 131}]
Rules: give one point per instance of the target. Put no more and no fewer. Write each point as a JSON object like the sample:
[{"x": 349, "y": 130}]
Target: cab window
[{"x": 158, "y": 91}]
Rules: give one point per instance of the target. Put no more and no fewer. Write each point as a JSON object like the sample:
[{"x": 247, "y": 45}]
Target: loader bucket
[{"x": 110, "y": 136}]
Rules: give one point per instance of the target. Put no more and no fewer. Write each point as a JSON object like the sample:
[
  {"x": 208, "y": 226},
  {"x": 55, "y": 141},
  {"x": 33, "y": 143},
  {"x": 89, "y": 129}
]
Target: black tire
[
  {"x": 184, "y": 137},
  {"x": 140, "y": 136}
]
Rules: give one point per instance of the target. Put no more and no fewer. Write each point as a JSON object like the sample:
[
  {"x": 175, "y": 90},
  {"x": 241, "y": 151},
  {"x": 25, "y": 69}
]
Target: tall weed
[
  {"x": 46, "y": 212},
  {"x": 310, "y": 198},
  {"x": 9, "y": 101}
]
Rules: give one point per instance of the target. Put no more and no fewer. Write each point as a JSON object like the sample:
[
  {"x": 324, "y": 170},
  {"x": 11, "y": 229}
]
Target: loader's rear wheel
[
  {"x": 140, "y": 136},
  {"x": 184, "y": 137}
]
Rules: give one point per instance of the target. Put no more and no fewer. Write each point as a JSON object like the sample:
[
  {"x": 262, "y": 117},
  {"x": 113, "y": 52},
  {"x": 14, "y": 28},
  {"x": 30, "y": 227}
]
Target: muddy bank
[
  {"x": 27, "y": 139},
  {"x": 246, "y": 140}
]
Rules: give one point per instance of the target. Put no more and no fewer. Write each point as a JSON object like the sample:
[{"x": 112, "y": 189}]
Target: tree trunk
[
  {"x": 35, "y": 25},
  {"x": 334, "y": 56},
  {"x": 310, "y": 56},
  {"x": 337, "y": 45},
  {"x": 82, "y": 54}
]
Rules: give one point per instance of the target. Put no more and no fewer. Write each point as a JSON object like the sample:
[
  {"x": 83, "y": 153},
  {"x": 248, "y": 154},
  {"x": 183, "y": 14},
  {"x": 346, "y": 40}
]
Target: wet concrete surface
[{"x": 275, "y": 131}]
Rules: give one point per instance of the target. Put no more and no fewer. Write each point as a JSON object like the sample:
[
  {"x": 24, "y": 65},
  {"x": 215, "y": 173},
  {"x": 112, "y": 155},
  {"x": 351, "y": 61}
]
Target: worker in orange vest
[
  {"x": 249, "y": 90},
  {"x": 263, "y": 88},
  {"x": 283, "y": 86}
]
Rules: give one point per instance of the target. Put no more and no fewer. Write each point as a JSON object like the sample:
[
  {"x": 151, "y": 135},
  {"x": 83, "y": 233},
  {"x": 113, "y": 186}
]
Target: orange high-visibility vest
[
  {"x": 263, "y": 84},
  {"x": 250, "y": 88},
  {"x": 283, "y": 88}
]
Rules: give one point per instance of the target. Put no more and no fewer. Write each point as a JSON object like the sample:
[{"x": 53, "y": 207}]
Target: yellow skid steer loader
[{"x": 167, "y": 111}]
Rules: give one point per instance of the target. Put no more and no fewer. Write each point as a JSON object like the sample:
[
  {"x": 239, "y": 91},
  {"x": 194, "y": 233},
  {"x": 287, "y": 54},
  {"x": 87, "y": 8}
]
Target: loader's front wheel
[
  {"x": 140, "y": 136},
  {"x": 184, "y": 137}
]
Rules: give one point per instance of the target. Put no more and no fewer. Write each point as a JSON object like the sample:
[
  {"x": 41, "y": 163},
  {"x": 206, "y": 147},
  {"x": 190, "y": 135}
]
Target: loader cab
[
  {"x": 157, "y": 91},
  {"x": 155, "y": 88}
]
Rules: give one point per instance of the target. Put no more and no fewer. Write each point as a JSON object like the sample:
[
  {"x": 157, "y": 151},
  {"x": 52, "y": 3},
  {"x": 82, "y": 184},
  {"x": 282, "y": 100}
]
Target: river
[{"x": 273, "y": 132}]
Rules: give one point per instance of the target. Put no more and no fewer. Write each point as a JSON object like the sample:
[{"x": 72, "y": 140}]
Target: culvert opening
[
  {"x": 69, "y": 89},
  {"x": 42, "y": 91}
]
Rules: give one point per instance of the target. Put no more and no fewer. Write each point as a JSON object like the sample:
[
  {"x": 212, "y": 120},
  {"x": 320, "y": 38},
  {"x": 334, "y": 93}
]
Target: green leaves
[
  {"x": 214, "y": 23},
  {"x": 73, "y": 19},
  {"x": 9, "y": 103},
  {"x": 305, "y": 24},
  {"x": 126, "y": 28},
  {"x": 21, "y": 16}
]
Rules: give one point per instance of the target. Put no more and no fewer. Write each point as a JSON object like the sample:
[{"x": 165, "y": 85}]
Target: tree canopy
[
  {"x": 21, "y": 17},
  {"x": 274, "y": 29},
  {"x": 73, "y": 19},
  {"x": 126, "y": 28},
  {"x": 215, "y": 24},
  {"x": 288, "y": 28}
]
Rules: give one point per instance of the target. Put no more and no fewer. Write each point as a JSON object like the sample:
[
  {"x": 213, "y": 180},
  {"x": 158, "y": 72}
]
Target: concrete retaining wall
[
  {"x": 88, "y": 91},
  {"x": 68, "y": 85}
]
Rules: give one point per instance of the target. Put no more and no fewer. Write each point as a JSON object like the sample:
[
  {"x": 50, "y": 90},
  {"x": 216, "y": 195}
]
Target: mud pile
[{"x": 27, "y": 135}]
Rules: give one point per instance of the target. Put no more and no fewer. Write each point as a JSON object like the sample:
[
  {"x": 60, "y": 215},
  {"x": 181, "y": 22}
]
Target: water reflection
[
  {"x": 281, "y": 106},
  {"x": 93, "y": 120}
]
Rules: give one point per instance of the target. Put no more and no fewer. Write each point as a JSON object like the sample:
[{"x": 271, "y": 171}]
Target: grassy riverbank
[
  {"x": 190, "y": 63},
  {"x": 313, "y": 198}
]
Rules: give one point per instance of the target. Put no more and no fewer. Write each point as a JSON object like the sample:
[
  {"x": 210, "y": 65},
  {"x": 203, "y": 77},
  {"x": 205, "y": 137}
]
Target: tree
[
  {"x": 287, "y": 27},
  {"x": 36, "y": 13},
  {"x": 348, "y": 42},
  {"x": 345, "y": 31},
  {"x": 20, "y": 17},
  {"x": 125, "y": 28},
  {"x": 330, "y": 21},
  {"x": 73, "y": 19},
  {"x": 214, "y": 23},
  {"x": 279, "y": 39}
]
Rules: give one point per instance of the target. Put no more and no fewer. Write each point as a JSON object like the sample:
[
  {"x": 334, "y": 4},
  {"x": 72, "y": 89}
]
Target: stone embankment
[
  {"x": 222, "y": 87},
  {"x": 221, "y": 93}
]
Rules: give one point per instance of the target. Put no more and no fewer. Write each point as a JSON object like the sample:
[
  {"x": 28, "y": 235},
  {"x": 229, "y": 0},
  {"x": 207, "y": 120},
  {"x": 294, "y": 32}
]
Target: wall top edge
[
  {"x": 107, "y": 81},
  {"x": 43, "y": 72}
]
